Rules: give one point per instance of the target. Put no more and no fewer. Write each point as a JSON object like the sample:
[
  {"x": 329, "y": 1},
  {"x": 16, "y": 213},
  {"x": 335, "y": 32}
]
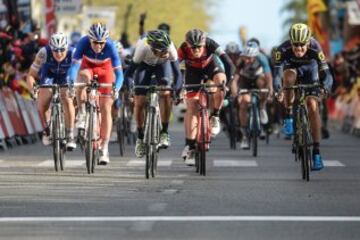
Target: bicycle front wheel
[
  {"x": 89, "y": 154},
  {"x": 254, "y": 132},
  {"x": 56, "y": 141}
]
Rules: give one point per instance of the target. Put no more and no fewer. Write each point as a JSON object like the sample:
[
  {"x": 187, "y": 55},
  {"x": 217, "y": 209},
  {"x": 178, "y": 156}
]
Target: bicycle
[
  {"x": 57, "y": 125},
  {"x": 203, "y": 137},
  {"x": 254, "y": 116},
  {"x": 231, "y": 127},
  {"x": 90, "y": 136},
  {"x": 152, "y": 127},
  {"x": 123, "y": 123},
  {"x": 302, "y": 140}
]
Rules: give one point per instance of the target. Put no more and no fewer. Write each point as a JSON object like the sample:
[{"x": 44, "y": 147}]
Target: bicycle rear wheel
[{"x": 89, "y": 154}]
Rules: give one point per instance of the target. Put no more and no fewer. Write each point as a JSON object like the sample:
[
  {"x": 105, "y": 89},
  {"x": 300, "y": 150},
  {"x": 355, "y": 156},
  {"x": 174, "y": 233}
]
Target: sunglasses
[
  {"x": 298, "y": 44},
  {"x": 59, "y": 50},
  {"x": 159, "y": 52},
  {"x": 98, "y": 43},
  {"x": 196, "y": 46}
]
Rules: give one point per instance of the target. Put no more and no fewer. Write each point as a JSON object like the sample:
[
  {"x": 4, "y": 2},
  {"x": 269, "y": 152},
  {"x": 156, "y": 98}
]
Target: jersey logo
[
  {"x": 321, "y": 56},
  {"x": 277, "y": 55}
]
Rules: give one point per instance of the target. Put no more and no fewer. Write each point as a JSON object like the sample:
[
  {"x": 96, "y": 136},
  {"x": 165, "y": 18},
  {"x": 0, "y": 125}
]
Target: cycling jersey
[
  {"x": 103, "y": 64},
  {"x": 283, "y": 56},
  {"x": 211, "y": 50},
  {"x": 145, "y": 63},
  {"x": 52, "y": 71}
]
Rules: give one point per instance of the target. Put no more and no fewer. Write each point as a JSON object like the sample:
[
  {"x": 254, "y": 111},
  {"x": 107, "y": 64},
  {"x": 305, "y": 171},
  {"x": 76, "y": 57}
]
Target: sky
[{"x": 261, "y": 17}]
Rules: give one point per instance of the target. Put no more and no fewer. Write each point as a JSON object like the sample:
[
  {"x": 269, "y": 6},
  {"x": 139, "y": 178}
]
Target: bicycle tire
[
  {"x": 88, "y": 140},
  {"x": 307, "y": 153},
  {"x": 231, "y": 127},
  {"x": 62, "y": 143},
  {"x": 56, "y": 141},
  {"x": 149, "y": 148},
  {"x": 120, "y": 136},
  {"x": 203, "y": 129},
  {"x": 254, "y": 132},
  {"x": 155, "y": 142},
  {"x": 197, "y": 160}
]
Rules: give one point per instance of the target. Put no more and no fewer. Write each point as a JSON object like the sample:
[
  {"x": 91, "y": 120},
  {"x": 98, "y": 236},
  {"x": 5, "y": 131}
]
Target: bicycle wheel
[
  {"x": 62, "y": 142},
  {"x": 88, "y": 139},
  {"x": 202, "y": 152},
  {"x": 231, "y": 127},
  {"x": 120, "y": 135},
  {"x": 197, "y": 160},
  {"x": 155, "y": 142},
  {"x": 254, "y": 132},
  {"x": 307, "y": 153},
  {"x": 149, "y": 148},
  {"x": 56, "y": 141}
]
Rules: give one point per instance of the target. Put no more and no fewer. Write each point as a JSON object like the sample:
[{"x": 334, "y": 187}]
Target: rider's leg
[
  {"x": 290, "y": 76},
  {"x": 43, "y": 103},
  {"x": 140, "y": 101},
  {"x": 218, "y": 101},
  {"x": 261, "y": 84},
  {"x": 105, "y": 104},
  {"x": 69, "y": 112},
  {"x": 85, "y": 75},
  {"x": 191, "y": 126},
  {"x": 243, "y": 103}
]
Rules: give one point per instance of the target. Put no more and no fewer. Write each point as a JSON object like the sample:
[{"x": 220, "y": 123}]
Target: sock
[
  {"x": 70, "y": 133},
  {"x": 288, "y": 112},
  {"x": 215, "y": 113},
  {"x": 140, "y": 133},
  {"x": 191, "y": 143},
  {"x": 165, "y": 126},
  {"x": 316, "y": 148},
  {"x": 244, "y": 131},
  {"x": 105, "y": 145}
]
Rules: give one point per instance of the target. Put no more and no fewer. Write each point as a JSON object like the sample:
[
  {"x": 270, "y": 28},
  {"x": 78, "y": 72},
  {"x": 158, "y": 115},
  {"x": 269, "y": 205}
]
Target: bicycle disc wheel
[
  {"x": 56, "y": 142},
  {"x": 88, "y": 140}
]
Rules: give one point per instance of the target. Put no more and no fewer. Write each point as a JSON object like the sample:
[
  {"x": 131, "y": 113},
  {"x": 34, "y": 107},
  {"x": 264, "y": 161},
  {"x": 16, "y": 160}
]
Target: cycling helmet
[
  {"x": 299, "y": 33},
  {"x": 58, "y": 41},
  {"x": 158, "y": 40},
  {"x": 195, "y": 37},
  {"x": 98, "y": 32},
  {"x": 255, "y": 40},
  {"x": 232, "y": 48},
  {"x": 251, "y": 50},
  {"x": 164, "y": 27}
]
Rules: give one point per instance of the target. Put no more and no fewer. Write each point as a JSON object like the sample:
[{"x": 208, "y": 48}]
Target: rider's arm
[
  {"x": 76, "y": 59},
  {"x": 267, "y": 70},
  {"x": 139, "y": 55},
  {"x": 35, "y": 68},
  {"x": 173, "y": 58},
  {"x": 228, "y": 64},
  {"x": 277, "y": 57},
  {"x": 325, "y": 76},
  {"x": 116, "y": 64}
]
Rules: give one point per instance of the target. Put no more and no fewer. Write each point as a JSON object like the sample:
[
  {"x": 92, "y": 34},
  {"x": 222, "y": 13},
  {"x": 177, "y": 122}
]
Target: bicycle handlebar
[
  {"x": 52, "y": 86},
  {"x": 154, "y": 87},
  {"x": 99, "y": 85},
  {"x": 253, "y": 90},
  {"x": 302, "y": 86},
  {"x": 204, "y": 85}
]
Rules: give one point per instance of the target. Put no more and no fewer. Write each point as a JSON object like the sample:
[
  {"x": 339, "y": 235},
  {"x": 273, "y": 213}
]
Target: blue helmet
[{"x": 98, "y": 32}]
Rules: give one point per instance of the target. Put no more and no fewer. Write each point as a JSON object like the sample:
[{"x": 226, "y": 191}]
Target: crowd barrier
[
  {"x": 19, "y": 119},
  {"x": 347, "y": 111}
]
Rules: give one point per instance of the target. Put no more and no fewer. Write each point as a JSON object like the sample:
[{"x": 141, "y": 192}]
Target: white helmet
[
  {"x": 98, "y": 32},
  {"x": 58, "y": 41},
  {"x": 251, "y": 50},
  {"x": 232, "y": 47}
]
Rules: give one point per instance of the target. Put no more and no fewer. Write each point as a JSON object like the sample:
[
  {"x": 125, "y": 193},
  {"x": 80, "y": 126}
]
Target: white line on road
[
  {"x": 235, "y": 163},
  {"x": 333, "y": 163},
  {"x": 68, "y": 163},
  {"x": 139, "y": 163},
  {"x": 186, "y": 219}
]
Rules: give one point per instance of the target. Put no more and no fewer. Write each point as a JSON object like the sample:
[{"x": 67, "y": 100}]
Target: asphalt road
[{"x": 241, "y": 197}]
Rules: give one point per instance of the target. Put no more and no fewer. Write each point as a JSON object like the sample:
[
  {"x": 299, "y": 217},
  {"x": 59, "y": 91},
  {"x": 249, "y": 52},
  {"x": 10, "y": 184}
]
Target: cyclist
[
  {"x": 203, "y": 57},
  {"x": 152, "y": 54},
  {"x": 253, "y": 72},
  {"x": 96, "y": 54},
  {"x": 302, "y": 61},
  {"x": 51, "y": 66},
  {"x": 232, "y": 49}
]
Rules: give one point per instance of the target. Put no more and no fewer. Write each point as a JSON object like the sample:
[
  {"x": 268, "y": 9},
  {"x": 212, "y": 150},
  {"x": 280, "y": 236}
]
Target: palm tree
[{"x": 296, "y": 11}]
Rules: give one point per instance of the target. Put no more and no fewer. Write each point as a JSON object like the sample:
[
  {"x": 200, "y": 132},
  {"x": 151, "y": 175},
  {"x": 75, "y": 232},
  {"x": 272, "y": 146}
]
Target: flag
[
  {"x": 50, "y": 17},
  {"x": 314, "y": 8}
]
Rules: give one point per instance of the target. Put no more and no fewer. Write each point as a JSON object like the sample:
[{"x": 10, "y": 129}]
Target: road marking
[
  {"x": 333, "y": 163},
  {"x": 186, "y": 219},
  {"x": 157, "y": 207},
  {"x": 177, "y": 182},
  {"x": 68, "y": 163},
  {"x": 235, "y": 163},
  {"x": 140, "y": 163}
]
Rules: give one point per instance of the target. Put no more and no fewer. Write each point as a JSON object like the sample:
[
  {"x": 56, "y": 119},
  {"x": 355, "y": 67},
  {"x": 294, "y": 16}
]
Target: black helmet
[
  {"x": 195, "y": 37},
  {"x": 158, "y": 40},
  {"x": 164, "y": 27}
]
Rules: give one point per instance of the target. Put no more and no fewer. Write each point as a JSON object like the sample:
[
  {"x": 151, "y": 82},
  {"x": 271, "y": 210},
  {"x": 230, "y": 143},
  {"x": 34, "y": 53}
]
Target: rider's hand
[
  {"x": 71, "y": 91},
  {"x": 279, "y": 96},
  {"x": 115, "y": 94},
  {"x": 324, "y": 93},
  {"x": 34, "y": 93},
  {"x": 271, "y": 94}
]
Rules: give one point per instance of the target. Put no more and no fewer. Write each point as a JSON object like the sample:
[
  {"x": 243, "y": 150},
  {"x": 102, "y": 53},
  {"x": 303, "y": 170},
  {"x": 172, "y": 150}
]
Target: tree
[
  {"x": 182, "y": 15},
  {"x": 297, "y": 12}
]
